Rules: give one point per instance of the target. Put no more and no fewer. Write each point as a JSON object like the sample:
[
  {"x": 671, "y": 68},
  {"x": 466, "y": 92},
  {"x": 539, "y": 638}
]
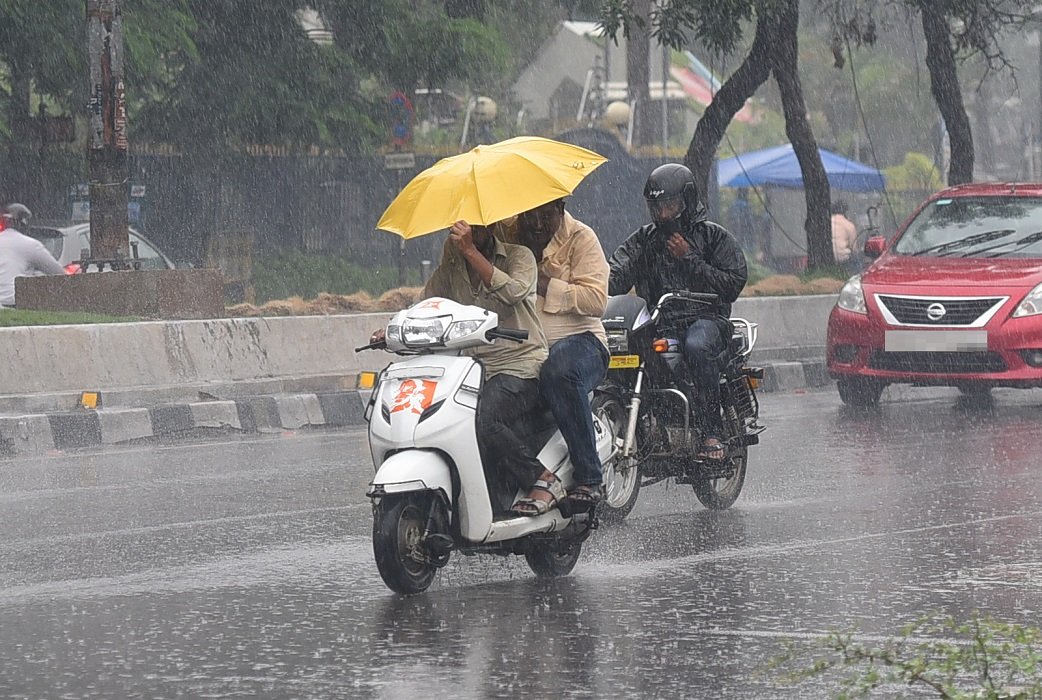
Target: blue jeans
[
  {"x": 576, "y": 366},
  {"x": 703, "y": 345}
]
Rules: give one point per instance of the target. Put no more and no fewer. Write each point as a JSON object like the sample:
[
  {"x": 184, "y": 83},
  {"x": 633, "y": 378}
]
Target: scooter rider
[
  {"x": 572, "y": 294},
  {"x": 476, "y": 268},
  {"x": 681, "y": 250}
]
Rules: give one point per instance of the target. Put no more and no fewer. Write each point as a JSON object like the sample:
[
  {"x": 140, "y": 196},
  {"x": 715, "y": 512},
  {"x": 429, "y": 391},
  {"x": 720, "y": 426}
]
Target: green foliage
[
  {"x": 287, "y": 274},
  {"x": 983, "y": 659},
  {"x": 23, "y": 317},
  {"x": 917, "y": 172}
]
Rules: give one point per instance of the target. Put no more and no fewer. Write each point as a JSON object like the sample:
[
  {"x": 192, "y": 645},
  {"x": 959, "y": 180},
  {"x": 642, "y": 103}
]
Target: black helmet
[
  {"x": 671, "y": 194},
  {"x": 18, "y": 214}
]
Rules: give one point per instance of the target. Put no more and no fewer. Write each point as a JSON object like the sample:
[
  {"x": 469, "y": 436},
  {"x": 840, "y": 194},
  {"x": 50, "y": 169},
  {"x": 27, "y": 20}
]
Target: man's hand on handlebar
[{"x": 378, "y": 336}]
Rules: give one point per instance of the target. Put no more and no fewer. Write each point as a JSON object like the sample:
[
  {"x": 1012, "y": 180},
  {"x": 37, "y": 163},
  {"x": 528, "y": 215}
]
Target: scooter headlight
[
  {"x": 421, "y": 332},
  {"x": 852, "y": 296},
  {"x": 460, "y": 329}
]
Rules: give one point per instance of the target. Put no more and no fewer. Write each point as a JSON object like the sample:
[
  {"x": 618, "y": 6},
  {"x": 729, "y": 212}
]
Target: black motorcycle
[{"x": 646, "y": 399}]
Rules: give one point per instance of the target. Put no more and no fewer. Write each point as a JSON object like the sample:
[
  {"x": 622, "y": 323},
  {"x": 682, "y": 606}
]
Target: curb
[
  {"x": 65, "y": 430},
  {"x": 39, "y": 433},
  {"x": 790, "y": 376}
]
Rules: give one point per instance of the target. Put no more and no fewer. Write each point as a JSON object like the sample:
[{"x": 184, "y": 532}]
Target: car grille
[
  {"x": 938, "y": 362},
  {"x": 958, "y": 312}
]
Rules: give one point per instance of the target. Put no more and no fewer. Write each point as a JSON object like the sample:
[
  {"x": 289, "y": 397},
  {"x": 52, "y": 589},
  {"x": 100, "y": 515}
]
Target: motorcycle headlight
[
  {"x": 852, "y": 296},
  {"x": 1031, "y": 305},
  {"x": 423, "y": 331},
  {"x": 460, "y": 329}
]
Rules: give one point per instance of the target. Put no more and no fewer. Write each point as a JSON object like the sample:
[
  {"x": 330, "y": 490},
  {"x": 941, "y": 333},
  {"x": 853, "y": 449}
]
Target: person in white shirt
[{"x": 20, "y": 255}]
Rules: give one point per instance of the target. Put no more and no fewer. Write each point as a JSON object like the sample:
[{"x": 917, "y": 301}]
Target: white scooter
[{"x": 429, "y": 493}]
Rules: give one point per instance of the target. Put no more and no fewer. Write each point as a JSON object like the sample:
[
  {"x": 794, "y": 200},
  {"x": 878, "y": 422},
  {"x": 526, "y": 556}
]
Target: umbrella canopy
[
  {"x": 778, "y": 166},
  {"x": 488, "y": 184}
]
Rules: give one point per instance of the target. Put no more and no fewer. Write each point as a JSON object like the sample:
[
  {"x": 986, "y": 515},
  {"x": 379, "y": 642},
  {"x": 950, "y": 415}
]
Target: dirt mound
[
  {"x": 791, "y": 285},
  {"x": 326, "y": 304}
]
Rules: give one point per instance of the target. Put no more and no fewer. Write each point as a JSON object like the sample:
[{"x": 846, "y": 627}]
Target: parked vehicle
[
  {"x": 429, "y": 495},
  {"x": 645, "y": 402},
  {"x": 954, "y": 299},
  {"x": 70, "y": 243}
]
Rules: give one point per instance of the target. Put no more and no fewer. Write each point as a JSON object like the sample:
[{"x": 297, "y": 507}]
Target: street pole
[{"x": 107, "y": 135}]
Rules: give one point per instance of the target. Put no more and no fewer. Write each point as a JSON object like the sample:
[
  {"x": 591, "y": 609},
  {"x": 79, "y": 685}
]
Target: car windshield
[{"x": 976, "y": 227}]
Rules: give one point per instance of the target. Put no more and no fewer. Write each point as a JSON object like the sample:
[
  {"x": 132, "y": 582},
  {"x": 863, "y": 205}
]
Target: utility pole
[{"x": 107, "y": 137}]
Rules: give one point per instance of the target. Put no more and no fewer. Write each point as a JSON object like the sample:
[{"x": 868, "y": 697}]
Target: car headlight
[
  {"x": 423, "y": 331},
  {"x": 852, "y": 296},
  {"x": 1031, "y": 305},
  {"x": 460, "y": 329}
]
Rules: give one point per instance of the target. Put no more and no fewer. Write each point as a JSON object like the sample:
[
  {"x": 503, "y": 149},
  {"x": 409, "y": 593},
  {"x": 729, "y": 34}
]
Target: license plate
[
  {"x": 936, "y": 341},
  {"x": 624, "y": 362}
]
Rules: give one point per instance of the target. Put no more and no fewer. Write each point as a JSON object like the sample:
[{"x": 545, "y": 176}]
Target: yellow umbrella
[{"x": 488, "y": 184}]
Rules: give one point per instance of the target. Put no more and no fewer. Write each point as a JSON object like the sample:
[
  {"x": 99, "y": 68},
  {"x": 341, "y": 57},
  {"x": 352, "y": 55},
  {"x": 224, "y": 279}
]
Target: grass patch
[
  {"x": 24, "y": 317},
  {"x": 286, "y": 274}
]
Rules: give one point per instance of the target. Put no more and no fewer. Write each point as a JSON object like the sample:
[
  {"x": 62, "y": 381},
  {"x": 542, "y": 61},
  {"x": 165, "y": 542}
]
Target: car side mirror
[{"x": 875, "y": 246}]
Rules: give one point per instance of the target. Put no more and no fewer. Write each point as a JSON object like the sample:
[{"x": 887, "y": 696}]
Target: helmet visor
[{"x": 666, "y": 208}]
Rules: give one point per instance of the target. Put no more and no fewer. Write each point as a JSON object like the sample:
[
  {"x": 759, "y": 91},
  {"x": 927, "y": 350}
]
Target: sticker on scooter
[{"x": 414, "y": 395}]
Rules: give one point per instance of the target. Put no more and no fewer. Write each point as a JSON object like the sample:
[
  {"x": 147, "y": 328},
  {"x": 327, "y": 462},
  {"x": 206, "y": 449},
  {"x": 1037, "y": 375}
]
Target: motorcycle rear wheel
[
  {"x": 720, "y": 494},
  {"x": 621, "y": 480},
  {"x": 549, "y": 560},
  {"x": 398, "y": 526}
]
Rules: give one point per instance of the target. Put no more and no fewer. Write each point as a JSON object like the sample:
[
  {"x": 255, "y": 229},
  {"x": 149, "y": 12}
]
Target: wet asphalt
[{"x": 242, "y": 567}]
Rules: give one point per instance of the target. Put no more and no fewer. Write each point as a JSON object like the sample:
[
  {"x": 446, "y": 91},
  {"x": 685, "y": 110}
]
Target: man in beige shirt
[
  {"x": 572, "y": 290},
  {"x": 476, "y": 268}
]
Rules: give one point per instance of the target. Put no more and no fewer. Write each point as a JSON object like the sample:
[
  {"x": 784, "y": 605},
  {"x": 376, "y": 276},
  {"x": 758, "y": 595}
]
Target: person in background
[
  {"x": 20, "y": 255},
  {"x": 844, "y": 236},
  {"x": 572, "y": 291}
]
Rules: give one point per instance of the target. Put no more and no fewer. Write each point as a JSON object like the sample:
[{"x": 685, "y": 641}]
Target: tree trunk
[
  {"x": 944, "y": 86},
  {"x": 23, "y": 164},
  {"x": 743, "y": 84},
  {"x": 638, "y": 73},
  {"x": 797, "y": 128}
]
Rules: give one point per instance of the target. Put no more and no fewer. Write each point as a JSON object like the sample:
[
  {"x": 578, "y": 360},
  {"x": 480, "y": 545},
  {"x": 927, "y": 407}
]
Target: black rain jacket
[{"x": 715, "y": 264}]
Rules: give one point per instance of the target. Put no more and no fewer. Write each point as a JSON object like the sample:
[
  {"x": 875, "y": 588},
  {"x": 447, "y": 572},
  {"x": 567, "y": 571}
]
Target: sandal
[
  {"x": 713, "y": 450},
  {"x": 536, "y": 506},
  {"x": 588, "y": 494}
]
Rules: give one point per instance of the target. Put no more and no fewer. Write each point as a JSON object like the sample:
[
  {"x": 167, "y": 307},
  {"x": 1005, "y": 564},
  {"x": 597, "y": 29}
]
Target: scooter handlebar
[
  {"x": 378, "y": 345},
  {"x": 508, "y": 333}
]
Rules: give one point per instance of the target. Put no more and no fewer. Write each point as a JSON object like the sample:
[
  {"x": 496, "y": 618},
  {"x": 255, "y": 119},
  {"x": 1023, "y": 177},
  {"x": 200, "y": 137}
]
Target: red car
[{"x": 954, "y": 299}]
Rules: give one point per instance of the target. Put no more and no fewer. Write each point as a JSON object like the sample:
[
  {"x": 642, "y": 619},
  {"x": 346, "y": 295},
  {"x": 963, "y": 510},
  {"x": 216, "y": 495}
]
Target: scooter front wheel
[{"x": 398, "y": 526}]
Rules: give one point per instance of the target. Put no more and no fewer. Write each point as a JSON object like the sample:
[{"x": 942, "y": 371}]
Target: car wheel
[{"x": 857, "y": 391}]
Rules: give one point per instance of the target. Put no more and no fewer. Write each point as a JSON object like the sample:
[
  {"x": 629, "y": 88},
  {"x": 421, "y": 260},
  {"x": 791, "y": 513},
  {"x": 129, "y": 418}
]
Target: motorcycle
[
  {"x": 429, "y": 494},
  {"x": 646, "y": 399}
]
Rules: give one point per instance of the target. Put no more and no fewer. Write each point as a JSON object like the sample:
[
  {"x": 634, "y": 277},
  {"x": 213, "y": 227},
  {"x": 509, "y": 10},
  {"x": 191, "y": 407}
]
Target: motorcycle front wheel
[
  {"x": 551, "y": 560},
  {"x": 398, "y": 526},
  {"x": 622, "y": 476},
  {"x": 720, "y": 494}
]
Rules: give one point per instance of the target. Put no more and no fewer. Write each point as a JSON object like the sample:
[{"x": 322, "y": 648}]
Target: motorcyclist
[
  {"x": 20, "y": 255},
  {"x": 681, "y": 250}
]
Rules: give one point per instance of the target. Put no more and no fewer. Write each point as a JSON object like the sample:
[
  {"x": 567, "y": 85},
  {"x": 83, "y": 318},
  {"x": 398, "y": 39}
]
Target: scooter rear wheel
[
  {"x": 398, "y": 526},
  {"x": 549, "y": 561}
]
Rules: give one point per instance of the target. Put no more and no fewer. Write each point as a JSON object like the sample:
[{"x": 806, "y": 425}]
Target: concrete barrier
[{"x": 142, "y": 364}]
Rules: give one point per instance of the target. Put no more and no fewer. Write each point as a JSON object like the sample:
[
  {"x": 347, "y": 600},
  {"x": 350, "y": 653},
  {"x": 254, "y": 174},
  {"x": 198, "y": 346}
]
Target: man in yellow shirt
[{"x": 572, "y": 289}]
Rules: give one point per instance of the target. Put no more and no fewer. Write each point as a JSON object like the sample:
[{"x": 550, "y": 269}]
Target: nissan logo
[{"x": 935, "y": 311}]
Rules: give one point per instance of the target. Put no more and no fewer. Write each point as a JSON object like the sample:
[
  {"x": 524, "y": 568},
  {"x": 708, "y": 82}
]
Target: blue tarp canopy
[{"x": 779, "y": 167}]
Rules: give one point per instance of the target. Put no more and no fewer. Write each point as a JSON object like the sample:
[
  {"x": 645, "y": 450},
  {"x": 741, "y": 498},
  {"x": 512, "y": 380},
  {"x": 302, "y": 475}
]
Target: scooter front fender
[{"x": 413, "y": 470}]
